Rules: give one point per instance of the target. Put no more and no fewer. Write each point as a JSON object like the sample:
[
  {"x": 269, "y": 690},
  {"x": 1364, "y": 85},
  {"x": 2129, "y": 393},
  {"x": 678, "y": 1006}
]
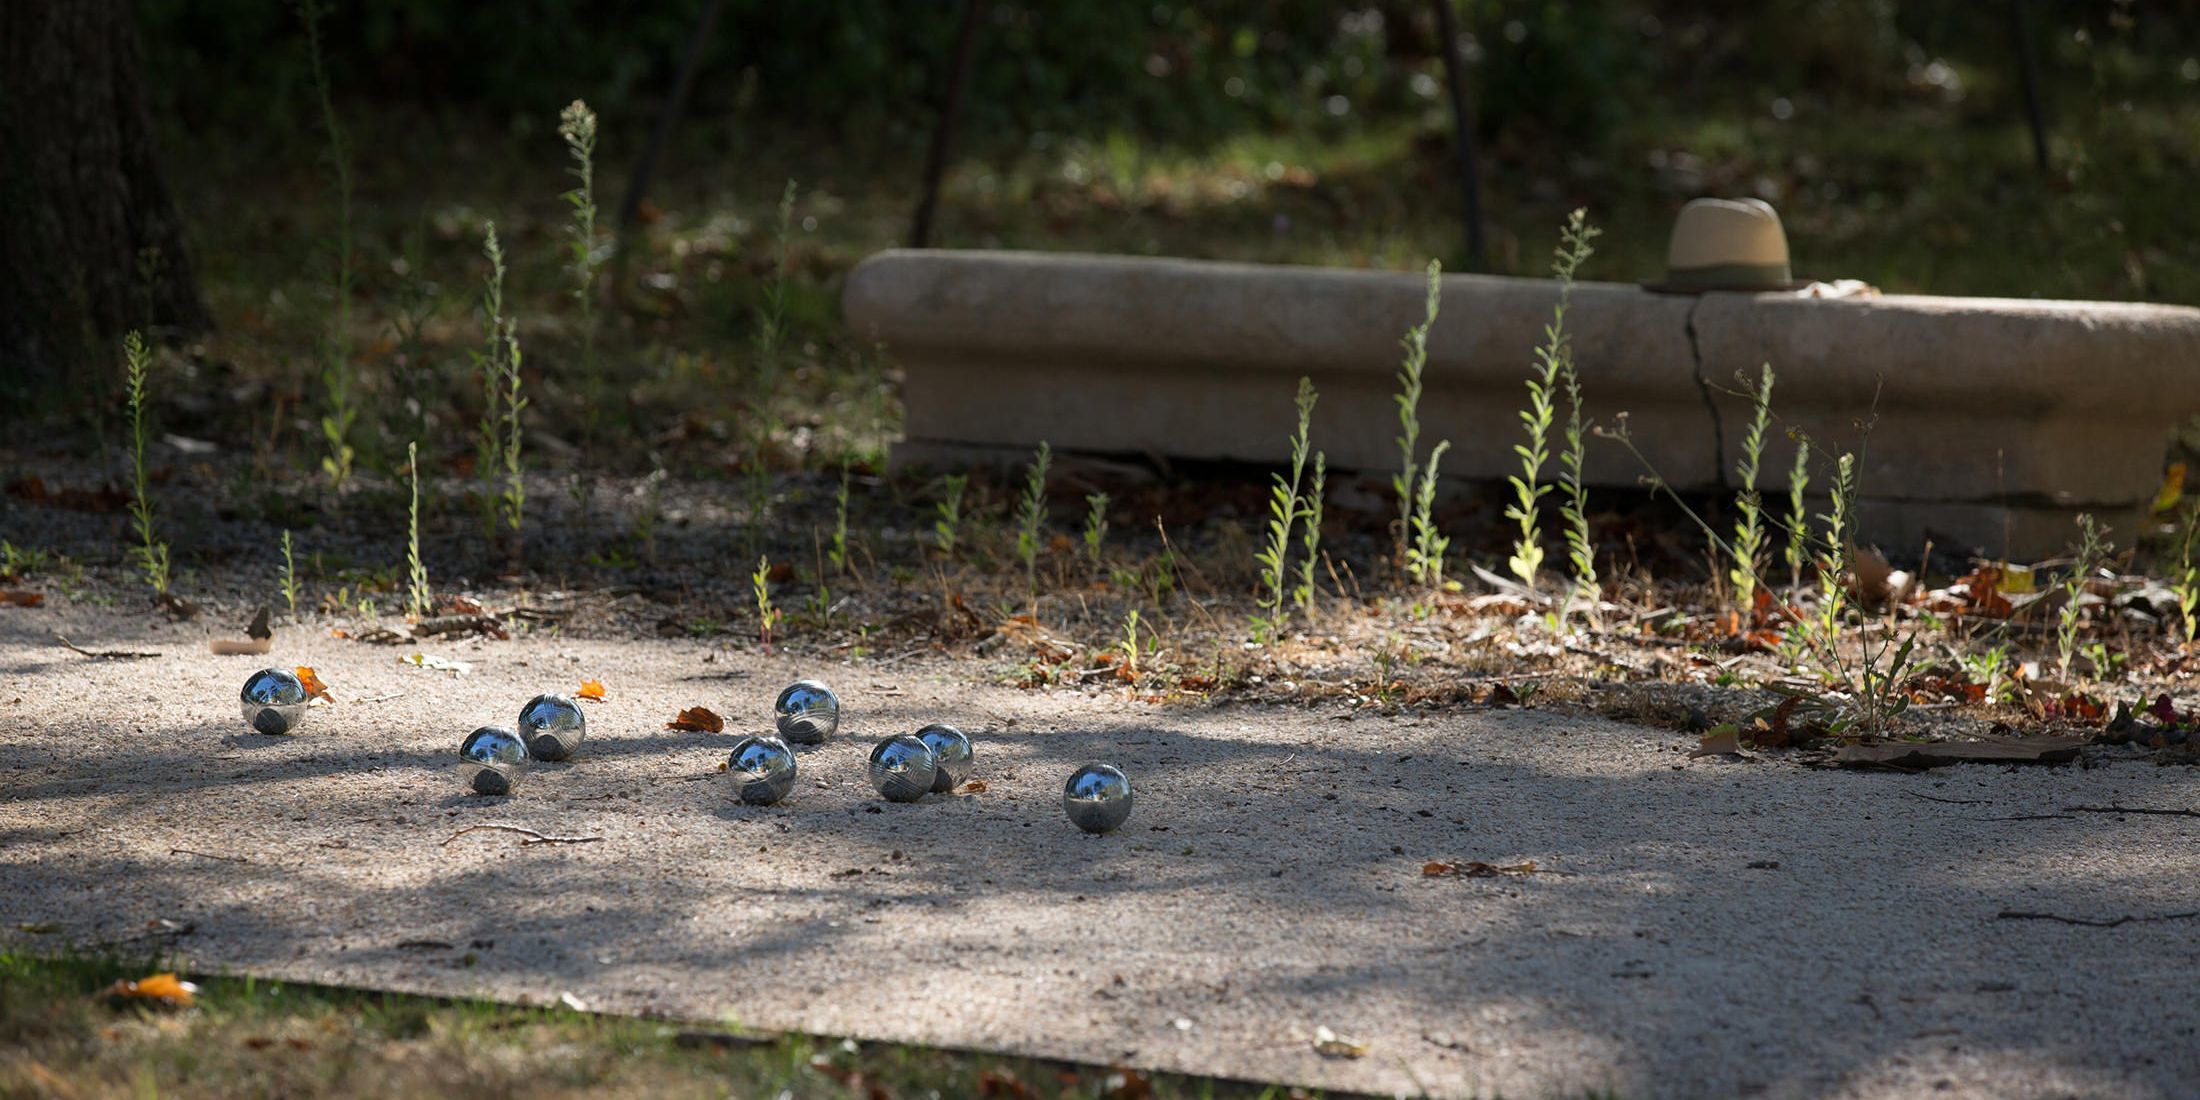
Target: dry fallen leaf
[
  {"x": 1723, "y": 740},
  {"x": 163, "y": 989},
  {"x": 975, "y": 786},
  {"x": 438, "y": 664},
  {"x": 1475, "y": 868},
  {"x": 591, "y": 689},
  {"x": 16, "y": 597},
  {"x": 1329, "y": 1044},
  {"x": 315, "y": 689},
  {"x": 697, "y": 720}
]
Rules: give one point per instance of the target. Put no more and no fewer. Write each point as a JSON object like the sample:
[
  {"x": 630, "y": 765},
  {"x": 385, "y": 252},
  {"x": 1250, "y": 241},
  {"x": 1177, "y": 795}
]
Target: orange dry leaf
[
  {"x": 16, "y": 597},
  {"x": 164, "y": 989},
  {"x": 591, "y": 689},
  {"x": 1475, "y": 868},
  {"x": 315, "y": 689},
  {"x": 697, "y": 720},
  {"x": 975, "y": 786}
]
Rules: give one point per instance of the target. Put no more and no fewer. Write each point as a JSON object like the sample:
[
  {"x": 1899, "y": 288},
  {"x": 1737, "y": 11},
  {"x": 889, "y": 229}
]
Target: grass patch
[{"x": 248, "y": 1037}]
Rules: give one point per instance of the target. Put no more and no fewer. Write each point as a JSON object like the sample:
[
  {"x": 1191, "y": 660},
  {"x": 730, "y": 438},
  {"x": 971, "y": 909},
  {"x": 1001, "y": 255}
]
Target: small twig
[
  {"x": 2028, "y": 817},
  {"x": 2088, "y": 922},
  {"x": 529, "y": 836},
  {"x": 2130, "y": 810},
  {"x": 102, "y": 654},
  {"x": 207, "y": 855}
]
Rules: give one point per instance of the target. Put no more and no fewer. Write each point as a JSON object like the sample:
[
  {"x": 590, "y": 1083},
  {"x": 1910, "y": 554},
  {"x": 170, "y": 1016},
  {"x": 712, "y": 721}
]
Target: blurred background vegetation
[{"x": 1890, "y": 133}]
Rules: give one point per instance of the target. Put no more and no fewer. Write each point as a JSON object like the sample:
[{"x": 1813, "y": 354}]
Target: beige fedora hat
[{"x": 1727, "y": 244}]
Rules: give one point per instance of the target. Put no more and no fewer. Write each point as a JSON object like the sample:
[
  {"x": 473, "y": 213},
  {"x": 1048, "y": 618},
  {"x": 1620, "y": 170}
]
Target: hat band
[{"x": 1730, "y": 275}]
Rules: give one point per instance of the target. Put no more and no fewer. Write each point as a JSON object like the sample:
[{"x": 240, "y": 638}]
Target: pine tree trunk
[{"x": 90, "y": 243}]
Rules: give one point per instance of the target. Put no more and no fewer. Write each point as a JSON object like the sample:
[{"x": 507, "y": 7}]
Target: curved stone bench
[{"x": 1997, "y": 421}]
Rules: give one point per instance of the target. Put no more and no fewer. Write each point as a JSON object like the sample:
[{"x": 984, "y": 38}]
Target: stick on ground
[{"x": 528, "y": 836}]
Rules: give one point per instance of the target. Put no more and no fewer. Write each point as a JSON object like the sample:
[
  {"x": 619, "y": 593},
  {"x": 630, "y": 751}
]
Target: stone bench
[{"x": 1997, "y": 420}]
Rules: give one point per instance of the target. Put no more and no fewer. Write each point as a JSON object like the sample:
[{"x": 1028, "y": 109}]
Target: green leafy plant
[
  {"x": 1284, "y": 504},
  {"x": 150, "y": 553},
  {"x": 1031, "y": 512},
  {"x": 771, "y": 328},
  {"x": 1543, "y": 383},
  {"x": 1425, "y": 555},
  {"x": 1096, "y": 524},
  {"x": 1408, "y": 399},
  {"x": 336, "y": 374},
  {"x": 1310, "y": 533},
  {"x": 1129, "y": 646},
  {"x": 1750, "y": 540},
  {"x": 290, "y": 577},
  {"x": 2092, "y": 550},
  {"x": 577, "y": 125},
  {"x": 1798, "y": 519},
  {"x": 651, "y": 507},
  {"x": 837, "y": 551},
  {"x": 498, "y": 447},
  {"x": 2186, "y": 582},
  {"x": 1573, "y": 508},
  {"x": 417, "y": 598},
  {"x": 947, "y": 527},
  {"x": 767, "y": 616}
]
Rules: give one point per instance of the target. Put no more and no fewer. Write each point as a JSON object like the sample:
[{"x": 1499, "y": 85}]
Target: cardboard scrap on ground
[{"x": 2029, "y": 750}]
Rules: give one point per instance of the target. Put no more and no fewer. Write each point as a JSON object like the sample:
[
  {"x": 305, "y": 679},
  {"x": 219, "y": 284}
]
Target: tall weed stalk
[
  {"x": 1536, "y": 419},
  {"x": 1750, "y": 541},
  {"x": 1284, "y": 504},
  {"x": 1409, "y": 406},
  {"x": 150, "y": 553},
  {"x": 336, "y": 373}
]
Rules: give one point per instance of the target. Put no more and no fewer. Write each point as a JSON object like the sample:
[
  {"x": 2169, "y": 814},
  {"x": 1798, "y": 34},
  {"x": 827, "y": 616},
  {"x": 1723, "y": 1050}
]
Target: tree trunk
[{"x": 90, "y": 244}]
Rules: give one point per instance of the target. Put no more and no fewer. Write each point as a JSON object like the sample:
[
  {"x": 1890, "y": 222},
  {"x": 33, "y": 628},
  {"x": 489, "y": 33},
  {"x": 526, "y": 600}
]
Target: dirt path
[{"x": 1716, "y": 927}]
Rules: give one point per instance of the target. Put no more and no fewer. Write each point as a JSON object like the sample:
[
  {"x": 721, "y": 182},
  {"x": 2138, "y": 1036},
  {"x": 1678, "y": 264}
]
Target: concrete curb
[{"x": 1997, "y": 421}]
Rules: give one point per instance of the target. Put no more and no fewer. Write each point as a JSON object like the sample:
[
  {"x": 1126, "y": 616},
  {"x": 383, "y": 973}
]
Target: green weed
[
  {"x": 1310, "y": 533},
  {"x": 2092, "y": 550},
  {"x": 948, "y": 510},
  {"x": 767, "y": 616},
  {"x": 336, "y": 373},
  {"x": 1798, "y": 521},
  {"x": 771, "y": 329},
  {"x": 1750, "y": 540},
  {"x": 837, "y": 552},
  {"x": 1284, "y": 504},
  {"x": 290, "y": 577},
  {"x": 1096, "y": 524},
  {"x": 151, "y": 554},
  {"x": 497, "y": 450},
  {"x": 1408, "y": 399},
  {"x": 577, "y": 125},
  {"x": 1425, "y": 555},
  {"x": 1573, "y": 509},
  {"x": 1537, "y": 417},
  {"x": 1031, "y": 513},
  {"x": 417, "y": 599}
]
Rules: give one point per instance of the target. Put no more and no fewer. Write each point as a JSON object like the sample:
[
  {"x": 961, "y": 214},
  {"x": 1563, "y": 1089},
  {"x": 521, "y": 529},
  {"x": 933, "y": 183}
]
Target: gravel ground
[{"x": 1710, "y": 927}]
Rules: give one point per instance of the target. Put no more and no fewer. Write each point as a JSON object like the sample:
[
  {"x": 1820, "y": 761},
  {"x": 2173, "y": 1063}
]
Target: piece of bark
[{"x": 2031, "y": 750}]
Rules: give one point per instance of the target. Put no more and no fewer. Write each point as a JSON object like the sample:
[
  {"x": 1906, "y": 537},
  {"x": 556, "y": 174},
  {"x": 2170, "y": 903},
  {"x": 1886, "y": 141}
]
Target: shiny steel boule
[
  {"x": 902, "y": 768},
  {"x": 492, "y": 760},
  {"x": 951, "y": 755},
  {"x": 1097, "y": 798},
  {"x": 274, "y": 701},
  {"x": 761, "y": 770},
  {"x": 553, "y": 726},
  {"x": 808, "y": 712}
]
